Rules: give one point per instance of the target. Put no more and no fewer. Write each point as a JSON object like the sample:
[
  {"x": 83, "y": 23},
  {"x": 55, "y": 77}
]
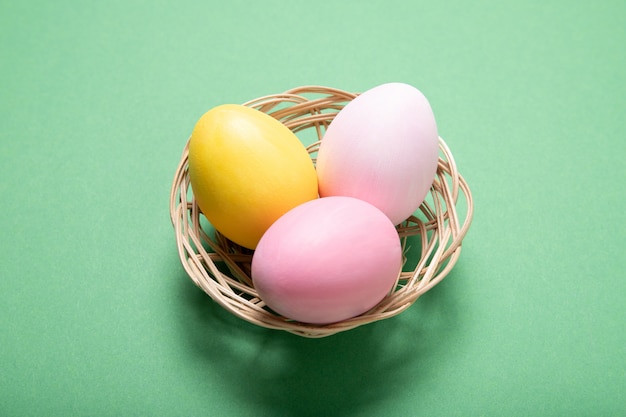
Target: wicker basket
[{"x": 222, "y": 269}]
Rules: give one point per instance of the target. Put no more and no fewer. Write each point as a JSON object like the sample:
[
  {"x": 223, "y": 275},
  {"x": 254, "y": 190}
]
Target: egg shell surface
[
  {"x": 327, "y": 260},
  {"x": 383, "y": 148},
  {"x": 246, "y": 170}
]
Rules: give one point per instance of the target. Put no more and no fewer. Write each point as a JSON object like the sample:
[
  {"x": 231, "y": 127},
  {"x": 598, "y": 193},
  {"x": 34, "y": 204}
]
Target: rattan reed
[{"x": 222, "y": 269}]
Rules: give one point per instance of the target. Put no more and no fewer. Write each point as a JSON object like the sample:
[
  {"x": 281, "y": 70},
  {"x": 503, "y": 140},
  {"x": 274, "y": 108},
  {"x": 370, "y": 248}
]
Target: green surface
[{"x": 97, "y": 317}]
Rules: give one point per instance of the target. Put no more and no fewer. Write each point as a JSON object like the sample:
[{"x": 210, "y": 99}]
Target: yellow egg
[{"x": 246, "y": 170}]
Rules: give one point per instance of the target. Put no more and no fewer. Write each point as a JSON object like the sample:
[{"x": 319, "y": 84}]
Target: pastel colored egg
[
  {"x": 327, "y": 260},
  {"x": 382, "y": 147},
  {"x": 246, "y": 170}
]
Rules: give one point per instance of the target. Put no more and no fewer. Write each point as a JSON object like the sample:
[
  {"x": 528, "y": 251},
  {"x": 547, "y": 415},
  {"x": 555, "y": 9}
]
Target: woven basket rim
[{"x": 436, "y": 223}]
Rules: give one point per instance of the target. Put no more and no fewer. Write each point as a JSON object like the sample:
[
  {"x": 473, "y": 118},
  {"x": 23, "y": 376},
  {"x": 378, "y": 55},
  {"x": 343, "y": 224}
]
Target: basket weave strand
[{"x": 222, "y": 269}]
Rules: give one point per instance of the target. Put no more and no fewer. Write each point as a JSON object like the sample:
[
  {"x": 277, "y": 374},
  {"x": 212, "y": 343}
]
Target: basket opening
[{"x": 432, "y": 236}]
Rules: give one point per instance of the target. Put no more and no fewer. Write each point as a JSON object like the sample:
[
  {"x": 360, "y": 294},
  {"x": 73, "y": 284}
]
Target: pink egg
[
  {"x": 327, "y": 260},
  {"x": 383, "y": 148}
]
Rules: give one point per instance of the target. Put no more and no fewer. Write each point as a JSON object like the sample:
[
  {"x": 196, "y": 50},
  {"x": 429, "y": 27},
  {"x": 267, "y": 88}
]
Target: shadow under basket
[{"x": 221, "y": 268}]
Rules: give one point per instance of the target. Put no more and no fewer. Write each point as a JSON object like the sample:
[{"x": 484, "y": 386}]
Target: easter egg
[
  {"x": 382, "y": 147},
  {"x": 327, "y": 260},
  {"x": 246, "y": 169}
]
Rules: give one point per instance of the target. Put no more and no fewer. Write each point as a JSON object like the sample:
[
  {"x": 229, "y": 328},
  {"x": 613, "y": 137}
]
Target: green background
[{"x": 97, "y": 316}]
